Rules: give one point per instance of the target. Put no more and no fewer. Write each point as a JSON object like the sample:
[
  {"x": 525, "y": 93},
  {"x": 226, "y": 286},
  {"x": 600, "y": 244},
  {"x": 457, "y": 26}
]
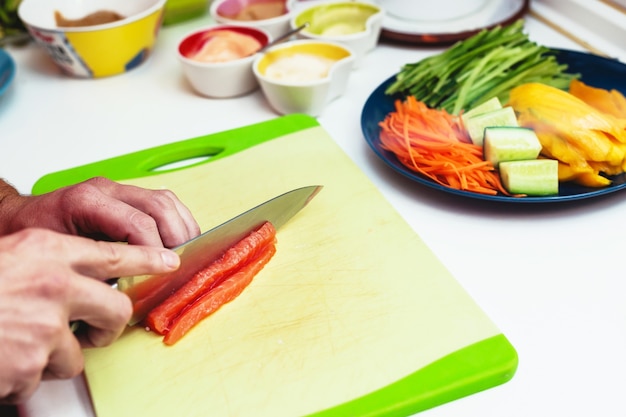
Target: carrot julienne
[{"x": 433, "y": 143}]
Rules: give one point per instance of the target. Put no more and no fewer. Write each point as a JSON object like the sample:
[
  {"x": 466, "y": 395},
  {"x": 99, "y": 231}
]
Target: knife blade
[{"x": 148, "y": 291}]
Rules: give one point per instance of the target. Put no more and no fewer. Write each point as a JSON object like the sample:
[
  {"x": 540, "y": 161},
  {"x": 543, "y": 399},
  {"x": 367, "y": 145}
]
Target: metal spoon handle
[{"x": 283, "y": 37}]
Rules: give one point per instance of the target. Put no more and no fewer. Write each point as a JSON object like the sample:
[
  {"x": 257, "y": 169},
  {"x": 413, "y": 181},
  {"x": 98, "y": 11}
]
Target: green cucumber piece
[
  {"x": 486, "y": 107},
  {"x": 506, "y": 143},
  {"x": 538, "y": 177},
  {"x": 476, "y": 125},
  {"x": 489, "y": 105}
]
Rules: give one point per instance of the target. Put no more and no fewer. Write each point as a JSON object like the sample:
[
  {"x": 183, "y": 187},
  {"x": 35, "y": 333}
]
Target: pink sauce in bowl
[
  {"x": 217, "y": 60},
  {"x": 270, "y": 15},
  {"x": 252, "y": 9},
  {"x": 222, "y": 44}
]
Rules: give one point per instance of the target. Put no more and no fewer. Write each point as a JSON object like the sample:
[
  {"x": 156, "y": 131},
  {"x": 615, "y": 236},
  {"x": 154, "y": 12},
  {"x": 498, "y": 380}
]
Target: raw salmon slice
[
  {"x": 232, "y": 260},
  {"x": 223, "y": 293}
]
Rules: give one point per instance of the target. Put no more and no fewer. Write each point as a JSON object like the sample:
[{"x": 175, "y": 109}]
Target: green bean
[{"x": 488, "y": 64}]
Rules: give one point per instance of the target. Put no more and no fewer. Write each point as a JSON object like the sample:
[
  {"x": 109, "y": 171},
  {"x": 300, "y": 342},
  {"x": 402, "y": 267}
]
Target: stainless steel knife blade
[{"x": 148, "y": 291}]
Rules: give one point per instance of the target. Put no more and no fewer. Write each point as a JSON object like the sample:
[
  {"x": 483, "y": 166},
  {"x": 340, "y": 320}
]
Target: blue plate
[
  {"x": 7, "y": 71},
  {"x": 596, "y": 71}
]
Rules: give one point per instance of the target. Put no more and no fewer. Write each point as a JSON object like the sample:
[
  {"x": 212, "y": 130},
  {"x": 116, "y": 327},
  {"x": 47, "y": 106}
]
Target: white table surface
[{"x": 551, "y": 278}]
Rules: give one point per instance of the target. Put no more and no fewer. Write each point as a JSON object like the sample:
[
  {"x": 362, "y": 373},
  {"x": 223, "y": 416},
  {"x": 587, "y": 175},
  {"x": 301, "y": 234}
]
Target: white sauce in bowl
[{"x": 299, "y": 67}]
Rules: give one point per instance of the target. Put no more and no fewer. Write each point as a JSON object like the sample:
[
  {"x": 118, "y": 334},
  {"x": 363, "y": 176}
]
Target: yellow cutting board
[{"x": 353, "y": 316}]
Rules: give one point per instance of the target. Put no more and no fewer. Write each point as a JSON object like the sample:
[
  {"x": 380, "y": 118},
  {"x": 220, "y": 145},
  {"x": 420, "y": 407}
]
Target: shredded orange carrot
[{"x": 433, "y": 143}]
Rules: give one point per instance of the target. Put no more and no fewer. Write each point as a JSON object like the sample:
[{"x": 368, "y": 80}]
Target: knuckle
[
  {"x": 85, "y": 192},
  {"x": 120, "y": 314},
  {"x": 97, "y": 182},
  {"x": 34, "y": 237},
  {"x": 142, "y": 221},
  {"x": 30, "y": 366},
  {"x": 163, "y": 199},
  {"x": 34, "y": 365},
  {"x": 111, "y": 253},
  {"x": 125, "y": 309},
  {"x": 48, "y": 328},
  {"x": 52, "y": 286},
  {"x": 78, "y": 193},
  {"x": 71, "y": 369},
  {"x": 117, "y": 319}
]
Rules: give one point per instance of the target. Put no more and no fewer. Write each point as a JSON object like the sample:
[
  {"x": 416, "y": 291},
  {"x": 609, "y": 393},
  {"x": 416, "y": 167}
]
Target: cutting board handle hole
[{"x": 181, "y": 158}]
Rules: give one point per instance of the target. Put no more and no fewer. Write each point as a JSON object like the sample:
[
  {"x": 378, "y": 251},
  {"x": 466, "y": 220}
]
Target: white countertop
[{"x": 551, "y": 278}]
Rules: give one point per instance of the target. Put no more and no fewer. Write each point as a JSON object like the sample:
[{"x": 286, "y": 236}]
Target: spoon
[{"x": 283, "y": 37}]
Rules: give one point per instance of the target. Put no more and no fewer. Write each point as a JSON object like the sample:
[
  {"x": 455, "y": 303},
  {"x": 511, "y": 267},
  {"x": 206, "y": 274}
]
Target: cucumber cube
[
  {"x": 487, "y": 106},
  {"x": 539, "y": 177},
  {"x": 503, "y": 143},
  {"x": 476, "y": 125}
]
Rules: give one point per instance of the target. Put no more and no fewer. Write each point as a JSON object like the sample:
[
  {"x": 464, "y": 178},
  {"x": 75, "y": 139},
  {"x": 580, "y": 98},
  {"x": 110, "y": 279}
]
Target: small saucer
[{"x": 440, "y": 32}]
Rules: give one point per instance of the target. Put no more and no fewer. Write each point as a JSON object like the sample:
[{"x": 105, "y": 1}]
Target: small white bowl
[
  {"x": 219, "y": 79},
  {"x": 225, "y": 12},
  {"x": 356, "y": 24},
  {"x": 303, "y": 76}
]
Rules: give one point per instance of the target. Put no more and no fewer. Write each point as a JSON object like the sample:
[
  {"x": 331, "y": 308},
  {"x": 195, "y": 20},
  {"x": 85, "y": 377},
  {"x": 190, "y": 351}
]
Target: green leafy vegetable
[
  {"x": 488, "y": 64},
  {"x": 10, "y": 23}
]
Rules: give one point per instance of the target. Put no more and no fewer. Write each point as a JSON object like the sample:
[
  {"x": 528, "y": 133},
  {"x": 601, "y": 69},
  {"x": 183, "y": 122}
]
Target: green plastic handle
[
  {"x": 177, "y": 155},
  {"x": 478, "y": 367}
]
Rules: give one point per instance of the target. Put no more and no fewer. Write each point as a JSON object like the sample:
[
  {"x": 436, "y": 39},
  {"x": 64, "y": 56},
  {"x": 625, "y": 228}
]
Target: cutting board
[{"x": 354, "y": 315}]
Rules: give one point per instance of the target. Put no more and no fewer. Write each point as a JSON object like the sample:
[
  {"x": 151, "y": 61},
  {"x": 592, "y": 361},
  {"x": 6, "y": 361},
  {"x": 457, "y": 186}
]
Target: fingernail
[{"x": 170, "y": 259}]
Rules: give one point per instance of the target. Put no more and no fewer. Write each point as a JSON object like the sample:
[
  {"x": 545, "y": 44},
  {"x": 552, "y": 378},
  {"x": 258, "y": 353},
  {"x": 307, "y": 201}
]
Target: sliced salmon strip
[
  {"x": 211, "y": 301},
  {"x": 232, "y": 260}
]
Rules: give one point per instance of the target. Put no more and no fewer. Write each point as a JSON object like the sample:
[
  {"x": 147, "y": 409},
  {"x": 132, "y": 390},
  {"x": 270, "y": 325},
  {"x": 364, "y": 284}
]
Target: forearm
[
  {"x": 9, "y": 198},
  {"x": 6, "y": 189}
]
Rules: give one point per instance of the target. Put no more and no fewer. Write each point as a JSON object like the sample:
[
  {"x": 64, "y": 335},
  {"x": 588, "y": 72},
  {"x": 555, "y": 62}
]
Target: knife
[{"x": 148, "y": 291}]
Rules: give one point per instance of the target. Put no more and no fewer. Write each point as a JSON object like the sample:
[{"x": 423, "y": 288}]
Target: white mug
[{"x": 430, "y": 10}]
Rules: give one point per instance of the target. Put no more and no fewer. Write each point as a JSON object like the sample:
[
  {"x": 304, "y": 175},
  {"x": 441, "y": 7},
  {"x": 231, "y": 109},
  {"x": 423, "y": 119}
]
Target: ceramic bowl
[
  {"x": 430, "y": 11},
  {"x": 270, "y": 15},
  {"x": 225, "y": 76},
  {"x": 94, "y": 49},
  {"x": 303, "y": 76},
  {"x": 352, "y": 23}
]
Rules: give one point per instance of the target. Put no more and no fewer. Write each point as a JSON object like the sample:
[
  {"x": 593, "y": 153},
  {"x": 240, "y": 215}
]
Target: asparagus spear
[{"x": 485, "y": 65}]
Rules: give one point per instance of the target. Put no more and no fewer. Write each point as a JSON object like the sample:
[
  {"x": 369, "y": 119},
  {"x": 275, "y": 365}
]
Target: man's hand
[
  {"x": 48, "y": 279},
  {"x": 104, "y": 209}
]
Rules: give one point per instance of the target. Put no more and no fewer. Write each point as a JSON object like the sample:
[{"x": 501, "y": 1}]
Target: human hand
[
  {"x": 48, "y": 279},
  {"x": 101, "y": 208}
]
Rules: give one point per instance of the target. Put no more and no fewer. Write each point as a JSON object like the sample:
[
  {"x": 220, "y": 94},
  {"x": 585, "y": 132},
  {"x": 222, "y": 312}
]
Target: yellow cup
[{"x": 100, "y": 50}]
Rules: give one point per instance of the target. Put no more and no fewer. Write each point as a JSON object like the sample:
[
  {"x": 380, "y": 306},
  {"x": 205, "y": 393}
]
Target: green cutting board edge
[{"x": 479, "y": 366}]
